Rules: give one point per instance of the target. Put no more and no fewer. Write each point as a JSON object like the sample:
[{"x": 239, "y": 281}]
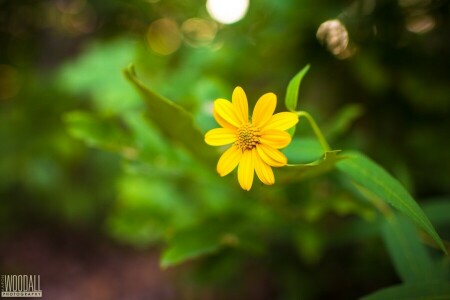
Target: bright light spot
[
  {"x": 420, "y": 24},
  {"x": 334, "y": 35},
  {"x": 227, "y": 11}
]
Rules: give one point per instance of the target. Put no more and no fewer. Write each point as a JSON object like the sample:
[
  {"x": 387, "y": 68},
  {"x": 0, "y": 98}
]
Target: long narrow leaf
[
  {"x": 173, "y": 121},
  {"x": 410, "y": 257},
  {"x": 293, "y": 89},
  {"x": 421, "y": 291},
  {"x": 375, "y": 179}
]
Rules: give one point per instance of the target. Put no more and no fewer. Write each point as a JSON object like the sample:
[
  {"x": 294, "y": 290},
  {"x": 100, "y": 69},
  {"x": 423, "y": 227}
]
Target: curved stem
[{"x": 316, "y": 130}]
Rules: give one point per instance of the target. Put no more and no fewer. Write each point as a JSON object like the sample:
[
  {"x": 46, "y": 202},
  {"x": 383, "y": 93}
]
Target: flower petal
[
  {"x": 229, "y": 160},
  {"x": 246, "y": 170},
  {"x": 226, "y": 111},
  {"x": 282, "y": 121},
  {"x": 275, "y": 138},
  {"x": 220, "y": 136},
  {"x": 263, "y": 170},
  {"x": 240, "y": 104},
  {"x": 222, "y": 121},
  {"x": 264, "y": 109},
  {"x": 271, "y": 156}
]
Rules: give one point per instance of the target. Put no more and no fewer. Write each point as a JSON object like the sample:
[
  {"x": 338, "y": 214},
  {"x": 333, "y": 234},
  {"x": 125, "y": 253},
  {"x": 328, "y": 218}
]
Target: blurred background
[{"x": 91, "y": 193}]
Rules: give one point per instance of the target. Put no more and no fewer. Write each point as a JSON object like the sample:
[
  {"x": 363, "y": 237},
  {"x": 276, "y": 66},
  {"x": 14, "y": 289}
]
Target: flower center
[{"x": 247, "y": 137}]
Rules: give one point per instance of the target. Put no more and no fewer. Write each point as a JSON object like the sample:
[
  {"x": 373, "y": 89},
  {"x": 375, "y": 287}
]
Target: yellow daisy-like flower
[{"x": 255, "y": 142}]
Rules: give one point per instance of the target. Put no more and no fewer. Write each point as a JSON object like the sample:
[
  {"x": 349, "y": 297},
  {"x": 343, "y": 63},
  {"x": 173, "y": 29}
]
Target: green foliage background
[{"x": 82, "y": 149}]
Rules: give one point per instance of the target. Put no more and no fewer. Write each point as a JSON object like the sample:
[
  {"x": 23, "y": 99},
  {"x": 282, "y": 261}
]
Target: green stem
[{"x": 316, "y": 130}]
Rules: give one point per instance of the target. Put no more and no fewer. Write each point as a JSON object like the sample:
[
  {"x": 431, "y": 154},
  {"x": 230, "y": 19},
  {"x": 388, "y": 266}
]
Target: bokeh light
[
  {"x": 334, "y": 35},
  {"x": 164, "y": 36},
  {"x": 198, "y": 32},
  {"x": 70, "y": 6},
  {"x": 420, "y": 24},
  {"x": 228, "y": 11}
]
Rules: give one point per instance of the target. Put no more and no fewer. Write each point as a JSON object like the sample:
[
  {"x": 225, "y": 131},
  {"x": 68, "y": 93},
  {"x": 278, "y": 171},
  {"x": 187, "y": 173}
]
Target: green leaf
[
  {"x": 343, "y": 120},
  {"x": 173, "y": 121},
  {"x": 298, "y": 172},
  {"x": 303, "y": 150},
  {"x": 418, "y": 291},
  {"x": 376, "y": 180},
  {"x": 179, "y": 253},
  {"x": 96, "y": 73},
  {"x": 96, "y": 132},
  {"x": 293, "y": 89},
  {"x": 190, "y": 245},
  {"x": 410, "y": 257}
]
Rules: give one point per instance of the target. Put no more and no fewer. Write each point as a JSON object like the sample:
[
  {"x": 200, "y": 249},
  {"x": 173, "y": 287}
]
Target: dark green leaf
[
  {"x": 190, "y": 245},
  {"x": 410, "y": 257},
  {"x": 96, "y": 132},
  {"x": 376, "y": 180},
  {"x": 343, "y": 120},
  {"x": 173, "y": 121},
  {"x": 293, "y": 89},
  {"x": 419, "y": 291}
]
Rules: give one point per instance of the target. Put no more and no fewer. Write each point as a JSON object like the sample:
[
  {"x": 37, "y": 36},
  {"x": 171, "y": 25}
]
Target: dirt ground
[{"x": 72, "y": 267}]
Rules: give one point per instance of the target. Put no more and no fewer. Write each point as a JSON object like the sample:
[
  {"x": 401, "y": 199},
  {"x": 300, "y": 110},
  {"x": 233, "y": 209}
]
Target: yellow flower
[{"x": 255, "y": 142}]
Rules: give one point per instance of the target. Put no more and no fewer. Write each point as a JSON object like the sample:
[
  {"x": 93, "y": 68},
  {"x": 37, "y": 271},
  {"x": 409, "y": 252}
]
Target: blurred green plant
[
  {"x": 323, "y": 218},
  {"x": 198, "y": 214}
]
